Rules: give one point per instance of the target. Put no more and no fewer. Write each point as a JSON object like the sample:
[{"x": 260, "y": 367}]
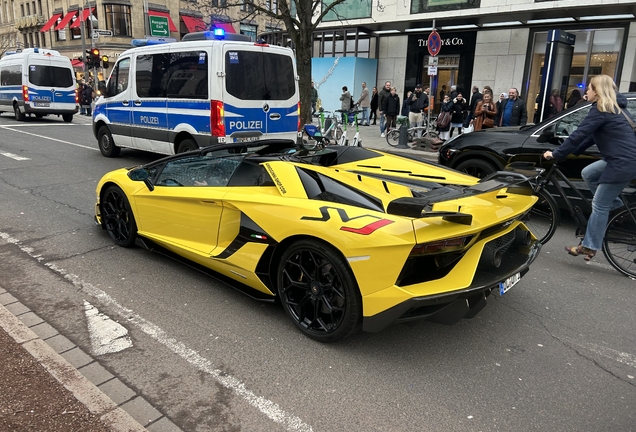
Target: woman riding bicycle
[{"x": 607, "y": 126}]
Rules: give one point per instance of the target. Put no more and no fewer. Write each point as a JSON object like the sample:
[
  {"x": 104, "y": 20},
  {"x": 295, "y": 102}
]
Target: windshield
[{"x": 50, "y": 76}]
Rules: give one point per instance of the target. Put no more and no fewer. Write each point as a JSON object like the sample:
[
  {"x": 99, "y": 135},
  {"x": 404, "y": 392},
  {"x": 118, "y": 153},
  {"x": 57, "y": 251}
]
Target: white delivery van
[
  {"x": 38, "y": 82},
  {"x": 209, "y": 88}
]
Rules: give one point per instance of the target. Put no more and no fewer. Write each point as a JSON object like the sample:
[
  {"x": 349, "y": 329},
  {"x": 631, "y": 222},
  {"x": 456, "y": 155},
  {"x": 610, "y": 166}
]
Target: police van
[
  {"x": 37, "y": 82},
  {"x": 209, "y": 88}
]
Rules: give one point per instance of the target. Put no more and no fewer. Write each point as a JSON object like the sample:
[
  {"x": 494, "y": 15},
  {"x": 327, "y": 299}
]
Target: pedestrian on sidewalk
[
  {"x": 374, "y": 105},
  {"x": 87, "y": 99},
  {"x": 417, "y": 102},
  {"x": 446, "y": 106},
  {"x": 364, "y": 102},
  {"x": 391, "y": 108},
  {"x": 345, "y": 104},
  {"x": 385, "y": 92},
  {"x": 460, "y": 108},
  {"x": 405, "y": 105}
]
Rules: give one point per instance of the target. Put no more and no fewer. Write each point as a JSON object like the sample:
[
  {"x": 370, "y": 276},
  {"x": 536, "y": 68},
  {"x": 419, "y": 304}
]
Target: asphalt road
[{"x": 557, "y": 352}]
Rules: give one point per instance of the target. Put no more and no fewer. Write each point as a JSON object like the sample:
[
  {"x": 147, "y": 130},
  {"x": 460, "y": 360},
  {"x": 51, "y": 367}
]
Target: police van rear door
[
  {"x": 51, "y": 84},
  {"x": 260, "y": 94}
]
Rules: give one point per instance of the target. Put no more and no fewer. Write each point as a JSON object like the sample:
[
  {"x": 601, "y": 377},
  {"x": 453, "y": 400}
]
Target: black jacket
[
  {"x": 614, "y": 137},
  {"x": 391, "y": 105},
  {"x": 420, "y": 102},
  {"x": 519, "y": 115},
  {"x": 459, "y": 111},
  {"x": 382, "y": 94}
]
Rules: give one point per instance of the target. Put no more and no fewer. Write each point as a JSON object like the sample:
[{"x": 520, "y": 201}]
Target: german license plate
[
  {"x": 41, "y": 104},
  {"x": 245, "y": 139},
  {"x": 509, "y": 283}
]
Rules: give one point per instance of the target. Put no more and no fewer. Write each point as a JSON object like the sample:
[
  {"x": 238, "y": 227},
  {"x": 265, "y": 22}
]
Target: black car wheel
[
  {"x": 187, "y": 145},
  {"x": 67, "y": 117},
  {"x": 477, "y": 168},
  {"x": 19, "y": 116},
  {"x": 318, "y": 291},
  {"x": 117, "y": 217},
  {"x": 106, "y": 144}
]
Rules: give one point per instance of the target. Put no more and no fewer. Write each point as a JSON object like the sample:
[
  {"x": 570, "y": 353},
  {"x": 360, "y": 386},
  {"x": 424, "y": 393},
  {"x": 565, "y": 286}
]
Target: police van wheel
[
  {"x": 106, "y": 144},
  {"x": 67, "y": 117},
  {"x": 187, "y": 145},
  {"x": 19, "y": 116}
]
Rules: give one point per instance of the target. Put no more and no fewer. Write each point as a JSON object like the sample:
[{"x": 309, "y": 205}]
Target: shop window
[
  {"x": 422, "y": 6},
  {"x": 118, "y": 19},
  {"x": 349, "y": 9}
]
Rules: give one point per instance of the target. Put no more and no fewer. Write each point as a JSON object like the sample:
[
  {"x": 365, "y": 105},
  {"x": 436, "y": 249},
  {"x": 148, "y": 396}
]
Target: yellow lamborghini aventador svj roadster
[{"x": 344, "y": 237}]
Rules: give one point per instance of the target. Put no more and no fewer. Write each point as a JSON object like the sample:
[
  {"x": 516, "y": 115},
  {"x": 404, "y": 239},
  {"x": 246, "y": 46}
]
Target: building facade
[{"x": 498, "y": 43}]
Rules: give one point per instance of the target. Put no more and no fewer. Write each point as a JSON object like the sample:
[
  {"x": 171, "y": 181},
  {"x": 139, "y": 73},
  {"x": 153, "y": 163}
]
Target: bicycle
[
  {"x": 427, "y": 130},
  {"x": 619, "y": 243},
  {"x": 321, "y": 136}
]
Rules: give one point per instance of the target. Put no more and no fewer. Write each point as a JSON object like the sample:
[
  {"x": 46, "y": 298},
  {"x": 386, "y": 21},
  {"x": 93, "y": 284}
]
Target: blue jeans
[
  {"x": 365, "y": 115},
  {"x": 382, "y": 122},
  {"x": 605, "y": 199}
]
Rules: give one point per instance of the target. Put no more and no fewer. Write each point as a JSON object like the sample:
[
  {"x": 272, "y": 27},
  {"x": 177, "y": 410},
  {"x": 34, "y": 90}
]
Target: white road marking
[
  {"x": 275, "y": 413},
  {"x": 612, "y": 354},
  {"x": 14, "y": 156},
  {"x": 107, "y": 336},
  {"x": 49, "y": 138},
  {"x": 45, "y": 125}
]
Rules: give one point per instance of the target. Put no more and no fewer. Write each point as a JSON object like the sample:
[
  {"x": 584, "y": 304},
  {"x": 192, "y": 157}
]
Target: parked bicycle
[
  {"x": 326, "y": 133},
  {"x": 619, "y": 244},
  {"x": 426, "y": 130},
  {"x": 343, "y": 140}
]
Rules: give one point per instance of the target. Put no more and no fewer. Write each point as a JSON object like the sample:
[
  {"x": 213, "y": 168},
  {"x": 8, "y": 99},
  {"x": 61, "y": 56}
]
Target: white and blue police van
[
  {"x": 38, "y": 82},
  {"x": 209, "y": 88}
]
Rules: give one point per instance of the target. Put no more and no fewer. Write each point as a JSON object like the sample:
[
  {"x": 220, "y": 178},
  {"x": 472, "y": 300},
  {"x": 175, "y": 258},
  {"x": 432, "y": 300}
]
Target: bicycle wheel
[
  {"x": 619, "y": 244},
  {"x": 544, "y": 217},
  {"x": 393, "y": 137}
]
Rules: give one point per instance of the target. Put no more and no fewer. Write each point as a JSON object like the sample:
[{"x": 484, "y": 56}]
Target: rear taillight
[
  {"x": 25, "y": 93},
  {"x": 441, "y": 246},
  {"x": 217, "y": 118},
  {"x": 76, "y": 96},
  {"x": 298, "y": 128}
]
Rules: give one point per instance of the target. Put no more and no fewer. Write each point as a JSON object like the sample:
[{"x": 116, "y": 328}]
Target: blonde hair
[{"x": 605, "y": 90}]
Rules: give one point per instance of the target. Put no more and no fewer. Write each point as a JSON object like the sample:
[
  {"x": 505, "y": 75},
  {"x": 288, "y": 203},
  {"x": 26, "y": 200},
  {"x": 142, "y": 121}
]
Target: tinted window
[
  {"x": 150, "y": 75},
  {"x": 50, "y": 76},
  {"x": 255, "y": 75},
  {"x": 11, "y": 75},
  {"x": 569, "y": 123},
  {"x": 118, "y": 81},
  {"x": 187, "y": 75}
]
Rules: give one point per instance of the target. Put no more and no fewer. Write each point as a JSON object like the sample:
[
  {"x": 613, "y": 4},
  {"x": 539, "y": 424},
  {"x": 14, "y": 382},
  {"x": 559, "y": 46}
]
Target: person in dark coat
[
  {"x": 607, "y": 126},
  {"x": 391, "y": 108},
  {"x": 86, "y": 99},
  {"x": 513, "y": 110},
  {"x": 476, "y": 97},
  {"x": 374, "y": 105},
  {"x": 406, "y": 105},
  {"x": 445, "y": 106},
  {"x": 575, "y": 96},
  {"x": 460, "y": 106}
]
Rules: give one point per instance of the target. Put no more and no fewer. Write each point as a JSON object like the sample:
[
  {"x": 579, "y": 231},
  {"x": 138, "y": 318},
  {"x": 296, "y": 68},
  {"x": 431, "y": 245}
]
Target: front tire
[
  {"x": 477, "y": 168},
  {"x": 117, "y": 217},
  {"x": 619, "y": 244},
  {"x": 544, "y": 217},
  {"x": 393, "y": 137},
  {"x": 187, "y": 145},
  {"x": 318, "y": 291},
  {"x": 106, "y": 144}
]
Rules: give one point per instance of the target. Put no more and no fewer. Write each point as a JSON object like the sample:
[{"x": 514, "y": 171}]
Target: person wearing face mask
[{"x": 608, "y": 125}]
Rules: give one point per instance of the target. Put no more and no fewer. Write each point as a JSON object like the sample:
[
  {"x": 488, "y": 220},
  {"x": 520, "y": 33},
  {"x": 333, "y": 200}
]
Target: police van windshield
[
  {"x": 257, "y": 75},
  {"x": 50, "y": 76}
]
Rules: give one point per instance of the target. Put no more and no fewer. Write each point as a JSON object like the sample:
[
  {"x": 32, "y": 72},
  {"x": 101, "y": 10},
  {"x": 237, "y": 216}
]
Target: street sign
[
  {"x": 97, "y": 33},
  {"x": 433, "y": 61},
  {"x": 159, "y": 26},
  {"x": 432, "y": 70},
  {"x": 434, "y": 43}
]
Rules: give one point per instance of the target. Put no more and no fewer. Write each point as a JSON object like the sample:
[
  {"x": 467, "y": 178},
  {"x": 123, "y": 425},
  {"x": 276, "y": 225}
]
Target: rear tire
[
  {"x": 544, "y": 217},
  {"x": 19, "y": 116},
  {"x": 393, "y": 137},
  {"x": 106, "y": 144},
  {"x": 619, "y": 244},
  {"x": 67, "y": 117},
  {"x": 187, "y": 145}
]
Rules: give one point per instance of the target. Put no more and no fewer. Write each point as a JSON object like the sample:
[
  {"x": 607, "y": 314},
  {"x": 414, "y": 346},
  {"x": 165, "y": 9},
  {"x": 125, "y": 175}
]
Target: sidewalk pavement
[{"x": 117, "y": 405}]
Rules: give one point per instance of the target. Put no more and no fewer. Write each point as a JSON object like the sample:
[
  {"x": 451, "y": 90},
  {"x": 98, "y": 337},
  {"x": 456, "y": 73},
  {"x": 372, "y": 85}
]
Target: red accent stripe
[{"x": 368, "y": 229}]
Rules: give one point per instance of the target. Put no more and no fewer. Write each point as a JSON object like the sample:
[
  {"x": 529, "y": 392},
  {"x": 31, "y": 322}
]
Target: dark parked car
[{"x": 486, "y": 151}]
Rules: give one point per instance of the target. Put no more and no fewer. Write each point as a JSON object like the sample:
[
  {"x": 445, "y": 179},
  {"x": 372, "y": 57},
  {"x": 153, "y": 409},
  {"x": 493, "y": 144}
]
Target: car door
[
  {"x": 118, "y": 103},
  {"x": 182, "y": 210}
]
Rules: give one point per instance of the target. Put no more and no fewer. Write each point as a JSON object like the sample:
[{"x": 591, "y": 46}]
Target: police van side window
[
  {"x": 150, "y": 75},
  {"x": 257, "y": 75},
  {"x": 187, "y": 75},
  {"x": 118, "y": 81},
  {"x": 11, "y": 75}
]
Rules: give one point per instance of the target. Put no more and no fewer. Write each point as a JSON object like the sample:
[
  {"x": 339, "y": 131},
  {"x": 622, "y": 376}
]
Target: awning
[
  {"x": 69, "y": 16},
  {"x": 83, "y": 15},
  {"x": 194, "y": 24},
  {"x": 171, "y": 25},
  {"x": 225, "y": 26},
  {"x": 50, "y": 22},
  {"x": 77, "y": 63}
]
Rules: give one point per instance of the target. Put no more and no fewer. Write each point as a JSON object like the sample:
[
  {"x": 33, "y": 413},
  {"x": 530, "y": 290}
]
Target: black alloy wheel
[
  {"x": 318, "y": 291},
  {"x": 477, "y": 168},
  {"x": 118, "y": 218}
]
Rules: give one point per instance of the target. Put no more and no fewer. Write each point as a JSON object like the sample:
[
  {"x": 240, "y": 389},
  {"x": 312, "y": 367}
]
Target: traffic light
[
  {"x": 88, "y": 59},
  {"x": 105, "y": 62},
  {"x": 96, "y": 57}
]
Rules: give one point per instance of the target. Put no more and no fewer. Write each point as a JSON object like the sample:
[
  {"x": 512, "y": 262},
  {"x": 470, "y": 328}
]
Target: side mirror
[
  {"x": 141, "y": 174},
  {"x": 547, "y": 134}
]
